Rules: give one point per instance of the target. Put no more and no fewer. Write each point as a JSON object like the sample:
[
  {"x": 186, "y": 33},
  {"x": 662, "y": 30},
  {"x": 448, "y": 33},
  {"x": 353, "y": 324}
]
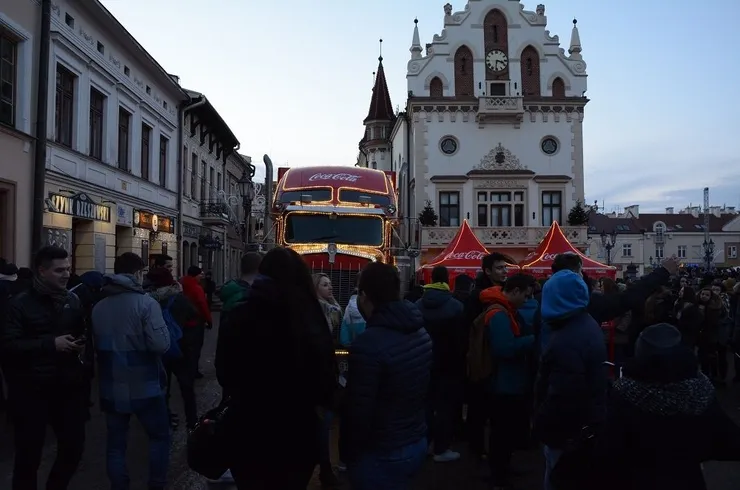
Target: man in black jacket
[
  {"x": 493, "y": 273},
  {"x": 41, "y": 341}
]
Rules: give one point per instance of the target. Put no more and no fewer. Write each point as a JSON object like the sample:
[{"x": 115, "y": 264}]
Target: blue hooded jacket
[
  {"x": 571, "y": 389},
  {"x": 389, "y": 372}
]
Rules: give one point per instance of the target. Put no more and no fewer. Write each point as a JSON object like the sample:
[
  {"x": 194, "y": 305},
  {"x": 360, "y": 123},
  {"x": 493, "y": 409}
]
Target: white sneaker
[
  {"x": 225, "y": 478},
  {"x": 446, "y": 457},
  {"x": 341, "y": 467}
]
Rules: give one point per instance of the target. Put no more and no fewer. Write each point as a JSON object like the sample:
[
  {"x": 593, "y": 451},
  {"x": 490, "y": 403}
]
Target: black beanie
[{"x": 657, "y": 339}]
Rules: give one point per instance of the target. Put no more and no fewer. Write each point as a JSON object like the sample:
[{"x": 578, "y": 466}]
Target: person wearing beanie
[
  {"x": 664, "y": 420},
  {"x": 571, "y": 389}
]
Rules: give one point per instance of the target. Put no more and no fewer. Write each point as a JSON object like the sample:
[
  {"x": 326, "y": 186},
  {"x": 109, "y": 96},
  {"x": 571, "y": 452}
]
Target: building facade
[
  {"x": 238, "y": 167},
  {"x": 113, "y": 155},
  {"x": 492, "y": 131},
  {"x": 20, "y": 24},
  {"x": 209, "y": 142},
  {"x": 643, "y": 240}
]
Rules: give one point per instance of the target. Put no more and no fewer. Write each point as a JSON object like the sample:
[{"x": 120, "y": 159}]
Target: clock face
[{"x": 497, "y": 60}]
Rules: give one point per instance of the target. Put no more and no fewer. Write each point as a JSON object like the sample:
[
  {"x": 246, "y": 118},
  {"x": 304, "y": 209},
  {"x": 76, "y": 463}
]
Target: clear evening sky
[{"x": 293, "y": 79}]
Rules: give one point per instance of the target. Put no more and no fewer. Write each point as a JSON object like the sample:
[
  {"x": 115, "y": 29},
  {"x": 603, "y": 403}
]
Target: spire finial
[
  {"x": 416, "y": 20},
  {"x": 575, "y": 21},
  {"x": 380, "y": 58}
]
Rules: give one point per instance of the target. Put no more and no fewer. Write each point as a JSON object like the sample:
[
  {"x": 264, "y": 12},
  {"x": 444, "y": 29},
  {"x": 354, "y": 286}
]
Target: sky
[{"x": 293, "y": 79}]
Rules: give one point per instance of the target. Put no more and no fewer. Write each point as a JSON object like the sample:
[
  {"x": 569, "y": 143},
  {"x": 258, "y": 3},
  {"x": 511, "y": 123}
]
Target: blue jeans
[
  {"x": 552, "y": 456},
  {"x": 152, "y": 414},
  {"x": 325, "y": 426},
  {"x": 392, "y": 470}
]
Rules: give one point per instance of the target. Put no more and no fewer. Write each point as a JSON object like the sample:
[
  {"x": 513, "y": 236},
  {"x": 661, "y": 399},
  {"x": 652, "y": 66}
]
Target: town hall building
[{"x": 492, "y": 132}]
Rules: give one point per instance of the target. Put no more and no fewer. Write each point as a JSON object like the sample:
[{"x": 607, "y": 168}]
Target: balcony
[
  {"x": 214, "y": 211},
  {"x": 514, "y": 236},
  {"x": 500, "y": 110}
]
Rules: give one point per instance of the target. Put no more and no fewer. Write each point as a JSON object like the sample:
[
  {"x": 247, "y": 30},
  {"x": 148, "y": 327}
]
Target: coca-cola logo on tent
[
  {"x": 549, "y": 257},
  {"x": 470, "y": 255},
  {"x": 342, "y": 177}
]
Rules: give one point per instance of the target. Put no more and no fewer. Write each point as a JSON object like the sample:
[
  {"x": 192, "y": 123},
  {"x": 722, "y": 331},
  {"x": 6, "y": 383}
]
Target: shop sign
[
  {"x": 190, "y": 230},
  {"x": 124, "y": 215},
  {"x": 209, "y": 242},
  {"x": 79, "y": 206},
  {"x": 150, "y": 221}
]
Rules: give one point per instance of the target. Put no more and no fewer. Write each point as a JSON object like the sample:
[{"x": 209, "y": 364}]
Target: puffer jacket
[
  {"x": 195, "y": 294},
  {"x": 233, "y": 294},
  {"x": 130, "y": 338},
  {"x": 443, "y": 320},
  {"x": 27, "y": 333},
  {"x": 389, "y": 374},
  {"x": 353, "y": 324}
]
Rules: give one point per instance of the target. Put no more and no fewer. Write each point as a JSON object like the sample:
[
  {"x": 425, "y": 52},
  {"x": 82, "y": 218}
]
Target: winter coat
[
  {"x": 511, "y": 347},
  {"x": 389, "y": 374},
  {"x": 353, "y": 324},
  {"x": 443, "y": 321},
  {"x": 27, "y": 333},
  {"x": 279, "y": 357},
  {"x": 572, "y": 383},
  {"x": 233, "y": 294},
  {"x": 130, "y": 339},
  {"x": 194, "y": 292},
  {"x": 656, "y": 436}
]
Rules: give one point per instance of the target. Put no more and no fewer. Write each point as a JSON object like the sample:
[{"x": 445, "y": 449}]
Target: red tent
[
  {"x": 539, "y": 262},
  {"x": 462, "y": 256}
]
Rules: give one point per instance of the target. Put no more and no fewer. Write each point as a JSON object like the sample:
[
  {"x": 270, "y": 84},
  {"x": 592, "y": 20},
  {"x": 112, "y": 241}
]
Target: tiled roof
[
  {"x": 380, "y": 103},
  {"x": 675, "y": 223}
]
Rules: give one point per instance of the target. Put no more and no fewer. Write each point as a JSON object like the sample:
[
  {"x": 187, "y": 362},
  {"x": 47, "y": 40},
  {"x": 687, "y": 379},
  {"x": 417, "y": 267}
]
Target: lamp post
[
  {"x": 247, "y": 190},
  {"x": 608, "y": 241},
  {"x": 708, "y": 253}
]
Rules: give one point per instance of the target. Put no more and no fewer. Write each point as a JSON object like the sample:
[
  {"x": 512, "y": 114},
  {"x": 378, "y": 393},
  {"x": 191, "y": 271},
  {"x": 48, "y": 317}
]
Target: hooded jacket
[
  {"x": 353, "y": 324},
  {"x": 572, "y": 383},
  {"x": 443, "y": 316},
  {"x": 130, "y": 338},
  {"x": 233, "y": 294},
  {"x": 389, "y": 372},
  {"x": 194, "y": 293}
]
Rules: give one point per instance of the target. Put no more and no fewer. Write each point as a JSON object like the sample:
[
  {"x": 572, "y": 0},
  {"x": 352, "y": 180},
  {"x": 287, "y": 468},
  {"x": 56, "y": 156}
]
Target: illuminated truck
[{"x": 337, "y": 218}]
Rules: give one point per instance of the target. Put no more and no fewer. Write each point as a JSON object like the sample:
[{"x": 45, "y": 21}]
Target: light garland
[{"x": 363, "y": 252}]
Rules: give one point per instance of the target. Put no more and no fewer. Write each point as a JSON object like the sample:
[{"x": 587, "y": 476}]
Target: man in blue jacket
[
  {"x": 443, "y": 316},
  {"x": 389, "y": 368},
  {"x": 572, "y": 383}
]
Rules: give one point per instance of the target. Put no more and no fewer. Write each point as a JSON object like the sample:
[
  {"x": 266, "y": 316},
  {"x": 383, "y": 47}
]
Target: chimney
[
  {"x": 175, "y": 78},
  {"x": 695, "y": 211},
  {"x": 669, "y": 210},
  {"x": 716, "y": 210},
  {"x": 634, "y": 210}
]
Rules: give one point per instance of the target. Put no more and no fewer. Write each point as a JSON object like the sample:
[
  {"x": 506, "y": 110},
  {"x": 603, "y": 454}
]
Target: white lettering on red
[
  {"x": 549, "y": 257},
  {"x": 343, "y": 177},
  {"x": 471, "y": 255}
]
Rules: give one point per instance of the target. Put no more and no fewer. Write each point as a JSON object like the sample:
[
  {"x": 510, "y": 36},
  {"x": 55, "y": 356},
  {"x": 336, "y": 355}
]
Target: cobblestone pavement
[{"x": 461, "y": 475}]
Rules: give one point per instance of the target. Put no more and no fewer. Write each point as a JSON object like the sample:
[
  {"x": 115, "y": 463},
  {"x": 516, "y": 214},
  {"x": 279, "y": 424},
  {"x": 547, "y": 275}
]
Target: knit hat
[
  {"x": 160, "y": 277},
  {"x": 92, "y": 279},
  {"x": 656, "y": 339},
  {"x": 660, "y": 357}
]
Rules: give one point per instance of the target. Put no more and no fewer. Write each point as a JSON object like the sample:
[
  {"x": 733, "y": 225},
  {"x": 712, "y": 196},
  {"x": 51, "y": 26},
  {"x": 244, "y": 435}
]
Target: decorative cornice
[
  {"x": 553, "y": 178},
  {"x": 448, "y": 178},
  {"x": 499, "y": 158},
  {"x": 500, "y": 184}
]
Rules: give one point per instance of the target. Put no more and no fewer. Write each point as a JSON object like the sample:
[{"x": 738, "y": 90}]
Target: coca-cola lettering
[
  {"x": 470, "y": 255},
  {"x": 342, "y": 177},
  {"x": 549, "y": 257}
]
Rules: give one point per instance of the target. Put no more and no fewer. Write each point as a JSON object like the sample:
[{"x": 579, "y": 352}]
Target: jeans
[
  {"x": 153, "y": 416},
  {"x": 509, "y": 431},
  {"x": 324, "y": 435},
  {"x": 192, "y": 345},
  {"x": 443, "y": 411},
  {"x": 552, "y": 456},
  {"x": 476, "y": 419},
  {"x": 390, "y": 470},
  {"x": 35, "y": 407},
  {"x": 181, "y": 370}
]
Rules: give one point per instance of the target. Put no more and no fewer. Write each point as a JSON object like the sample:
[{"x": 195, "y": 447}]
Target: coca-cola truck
[{"x": 337, "y": 218}]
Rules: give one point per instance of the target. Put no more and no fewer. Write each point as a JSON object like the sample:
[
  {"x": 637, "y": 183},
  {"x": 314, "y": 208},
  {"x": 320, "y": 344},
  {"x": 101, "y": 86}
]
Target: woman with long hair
[{"x": 285, "y": 357}]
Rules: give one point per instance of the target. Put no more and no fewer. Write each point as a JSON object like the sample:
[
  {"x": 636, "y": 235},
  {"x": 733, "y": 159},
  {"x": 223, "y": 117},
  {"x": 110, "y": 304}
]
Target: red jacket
[{"x": 193, "y": 291}]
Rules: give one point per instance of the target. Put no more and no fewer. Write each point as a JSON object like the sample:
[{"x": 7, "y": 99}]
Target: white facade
[
  {"x": 113, "y": 133},
  {"x": 478, "y": 133}
]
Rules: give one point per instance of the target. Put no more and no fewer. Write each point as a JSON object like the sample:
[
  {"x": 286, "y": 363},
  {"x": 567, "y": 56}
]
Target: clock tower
[{"x": 496, "y": 52}]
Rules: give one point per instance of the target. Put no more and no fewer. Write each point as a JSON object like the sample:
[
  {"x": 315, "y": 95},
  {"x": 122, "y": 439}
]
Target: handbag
[{"x": 208, "y": 443}]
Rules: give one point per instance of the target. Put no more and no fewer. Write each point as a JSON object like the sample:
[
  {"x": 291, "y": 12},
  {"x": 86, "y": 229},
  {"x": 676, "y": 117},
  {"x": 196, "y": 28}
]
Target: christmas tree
[
  {"x": 578, "y": 215},
  {"x": 428, "y": 216}
]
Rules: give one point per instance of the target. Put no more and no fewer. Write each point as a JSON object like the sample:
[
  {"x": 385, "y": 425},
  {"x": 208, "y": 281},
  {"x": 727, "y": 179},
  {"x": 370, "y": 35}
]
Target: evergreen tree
[
  {"x": 428, "y": 216},
  {"x": 578, "y": 215}
]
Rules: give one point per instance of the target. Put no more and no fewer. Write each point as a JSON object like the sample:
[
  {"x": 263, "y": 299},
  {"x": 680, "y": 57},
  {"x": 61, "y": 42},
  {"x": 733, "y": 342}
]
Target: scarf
[
  {"x": 58, "y": 296},
  {"x": 332, "y": 313},
  {"x": 688, "y": 397}
]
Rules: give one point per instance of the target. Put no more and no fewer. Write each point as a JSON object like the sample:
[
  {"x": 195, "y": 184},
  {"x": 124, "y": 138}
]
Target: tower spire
[
  {"x": 575, "y": 42},
  {"x": 416, "y": 42},
  {"x": 380, "y": 50},
  {"x": 380, "y": 103}
]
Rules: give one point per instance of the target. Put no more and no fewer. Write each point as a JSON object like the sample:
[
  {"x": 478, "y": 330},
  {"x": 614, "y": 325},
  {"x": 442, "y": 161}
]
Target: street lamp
[
  {"x": 608, "y": 241},
  {"x": 708, "y": 253},
  {"x": 247, "y": 191}
]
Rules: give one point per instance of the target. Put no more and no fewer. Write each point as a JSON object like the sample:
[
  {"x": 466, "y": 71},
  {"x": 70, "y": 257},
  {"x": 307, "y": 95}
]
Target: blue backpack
[{"x": 175, "y": 331}]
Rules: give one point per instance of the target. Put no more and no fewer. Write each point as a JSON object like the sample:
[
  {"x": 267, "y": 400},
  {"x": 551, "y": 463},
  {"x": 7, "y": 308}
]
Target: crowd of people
[{"x": 522, "y": 361}]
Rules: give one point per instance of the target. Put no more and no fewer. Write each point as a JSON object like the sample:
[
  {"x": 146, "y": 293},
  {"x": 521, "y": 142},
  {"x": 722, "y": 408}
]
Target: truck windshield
[{"x": 324, "y": 228}]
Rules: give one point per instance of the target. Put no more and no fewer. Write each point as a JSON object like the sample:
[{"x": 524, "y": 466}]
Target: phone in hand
[{"x": 80, "y": 340}]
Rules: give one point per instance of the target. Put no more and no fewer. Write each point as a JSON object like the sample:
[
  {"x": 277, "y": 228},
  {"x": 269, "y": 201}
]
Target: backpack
[
  {"x": 480, "y": 362},
  {"x": 174, "y": 329}
]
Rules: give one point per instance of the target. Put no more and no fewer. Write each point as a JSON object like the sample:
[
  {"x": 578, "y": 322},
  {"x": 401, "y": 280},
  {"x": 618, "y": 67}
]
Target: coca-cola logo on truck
[
  {"x": 470, "y": 255},
  {"x": 343, "y": 177}
]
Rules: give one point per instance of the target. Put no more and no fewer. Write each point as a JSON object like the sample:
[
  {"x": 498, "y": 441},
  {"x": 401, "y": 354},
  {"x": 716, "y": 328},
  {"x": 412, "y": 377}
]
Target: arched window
[
  {"x": 464, "y": 72},
  {"x": 558, "y": 88},
  {"x": 495, "y": 31},
  {"x": 530, "y": 72},
  {"x": 435, "y": 87}
]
